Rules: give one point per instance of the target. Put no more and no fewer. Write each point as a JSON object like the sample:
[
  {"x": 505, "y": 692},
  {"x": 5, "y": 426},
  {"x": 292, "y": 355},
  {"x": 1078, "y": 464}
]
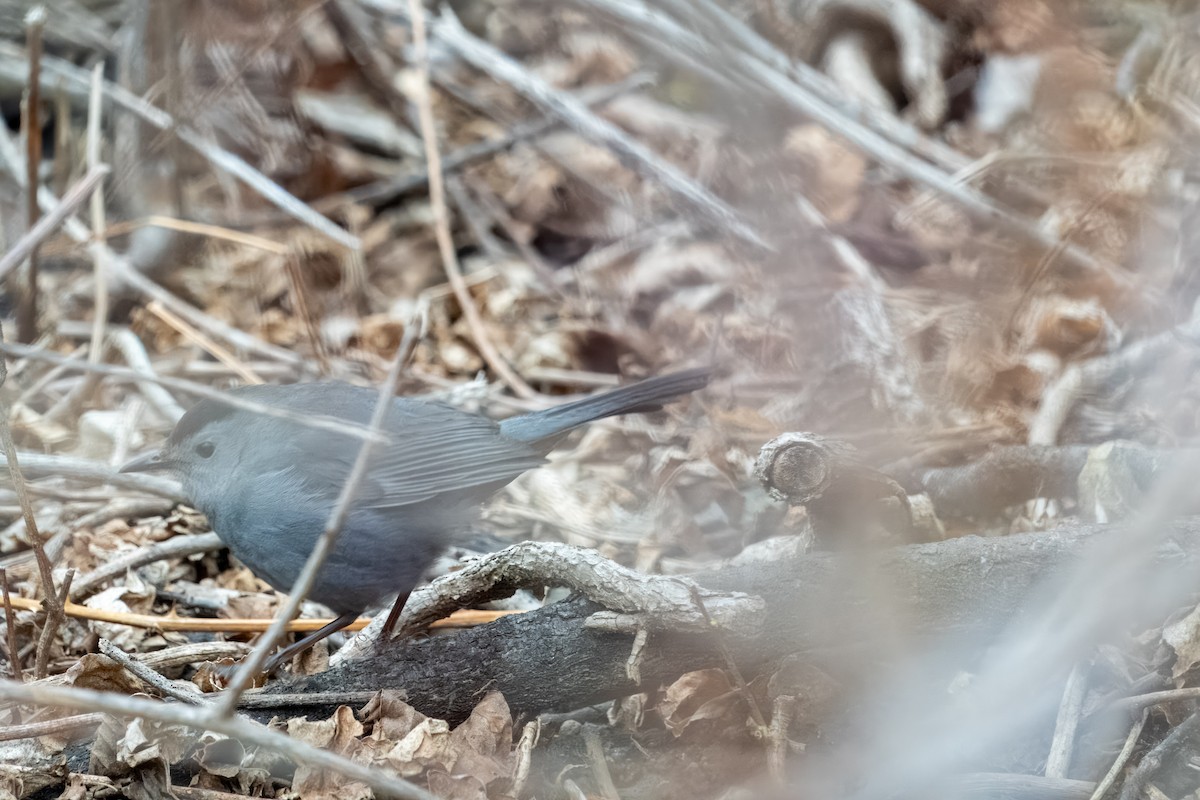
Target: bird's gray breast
[{"x": 272, "y": 521}]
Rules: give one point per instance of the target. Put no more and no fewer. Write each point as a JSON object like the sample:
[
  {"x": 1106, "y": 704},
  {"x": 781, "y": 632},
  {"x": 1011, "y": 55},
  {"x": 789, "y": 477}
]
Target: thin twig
[
  {"x": 48, "y": 727},
  {"x": 133, "y": 350},
  {"x": 198, "y": 229},
  {"x": 317, "y": 421},
  {"x": 76, "y": 81},
  {"x": 1066, "y": 727},
  {"x": 45, "y": 572},
  {"x": 189, "y": 332},
  {"x": 735, "y": 673},
  {"x": 55, "y": 614},
  {"x": 31, "y": 123},
  {"x": 100, "y": 274},
  {"x": 462, "y": 618},
  {"x": 191, "y": 653},
  {"x": 63, "y": 136},
  {"x": 762, "y": 69},
  {"x": 333, "y": 527},
  {"x": 300, "y": 298},
  {"x": 175, "y": 547},
  {"x": 10, "y": 622},
  {"x": 381, "y": 780},
  {"x": 1122, "y": 758},
  {"x": 124, "y": 271},
  {"x": 388, "y": 189},
  {"x": 599, "y": 764},
  {"x": 152, "y": 677},
  {"x": 47, "y": 224},
  {"x": 632, "y": 153},
  {"x": 35, "y": 464},
  {"x": 1130, "y": 705},
  {"x": 285, "y": 699},
  {"x": 441, "y": 222}
]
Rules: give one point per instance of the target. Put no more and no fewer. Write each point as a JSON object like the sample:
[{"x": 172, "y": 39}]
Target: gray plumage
[{"x": 268, "y": 484}]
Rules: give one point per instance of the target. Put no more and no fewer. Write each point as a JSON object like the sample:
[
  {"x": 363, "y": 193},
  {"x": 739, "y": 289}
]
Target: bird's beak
[{"x": 146, "y": 462}]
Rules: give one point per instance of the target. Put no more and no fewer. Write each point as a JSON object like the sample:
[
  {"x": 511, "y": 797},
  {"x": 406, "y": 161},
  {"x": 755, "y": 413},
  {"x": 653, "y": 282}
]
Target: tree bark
[{"x": 963, "y": 591}]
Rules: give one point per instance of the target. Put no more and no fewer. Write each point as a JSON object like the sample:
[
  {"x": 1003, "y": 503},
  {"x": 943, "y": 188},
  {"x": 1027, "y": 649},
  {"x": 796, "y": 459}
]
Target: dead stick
[
  {"x": 47, "y": 727},
  {"x": 10, "y": 622},
  {"x": 464, "y": 618},
  {"x": 100, "y": 304},
  {"x": 47, "y": 224},
  {"x": 45, "y": 573},
  {"x": 630, "y": 152},
  {"x": 437, "y": 199},
  {"x": 55, "y": 614},
  {"x": 383, "y": 781},
  {"x": 303, "y": 310},
  {"x": 31, "y": 122}
]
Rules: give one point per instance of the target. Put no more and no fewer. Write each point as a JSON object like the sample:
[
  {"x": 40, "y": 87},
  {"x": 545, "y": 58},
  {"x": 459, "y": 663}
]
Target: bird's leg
[
  {"x": 296, "y": 648},
  {"x": 393, "y": 617}
]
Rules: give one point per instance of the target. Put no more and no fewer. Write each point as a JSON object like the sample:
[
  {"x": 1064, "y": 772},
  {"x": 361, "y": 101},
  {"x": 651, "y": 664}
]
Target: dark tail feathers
[{"x": 647, "y": 395}]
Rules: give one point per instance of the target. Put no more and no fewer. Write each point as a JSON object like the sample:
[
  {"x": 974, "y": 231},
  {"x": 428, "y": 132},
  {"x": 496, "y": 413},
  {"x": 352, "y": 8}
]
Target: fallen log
[{"x": 966, "y": 591}]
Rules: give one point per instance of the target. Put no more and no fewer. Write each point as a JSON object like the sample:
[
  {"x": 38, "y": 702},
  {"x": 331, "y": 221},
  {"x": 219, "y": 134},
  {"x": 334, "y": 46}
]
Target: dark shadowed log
[{"x": 963, "y": 590}]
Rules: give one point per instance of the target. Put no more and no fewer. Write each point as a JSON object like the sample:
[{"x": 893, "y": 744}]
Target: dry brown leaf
[
  {"x": 390, "y": 717},
  {"x": 1183, "y": 636},
  {"x": 704, "y": 695},
  {"x": 482, "y": 746},
  {"x": 338, "y": 734},
  {"x": 102, "y": 674}
]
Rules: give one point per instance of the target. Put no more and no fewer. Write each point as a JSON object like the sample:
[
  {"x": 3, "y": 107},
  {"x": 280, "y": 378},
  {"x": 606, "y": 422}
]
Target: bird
[{"x": 268, "y": 483}]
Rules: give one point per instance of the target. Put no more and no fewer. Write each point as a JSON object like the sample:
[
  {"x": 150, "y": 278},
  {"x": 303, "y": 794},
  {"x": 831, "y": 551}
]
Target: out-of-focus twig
[
  {"x": 1066, "y": 727},
  {"x": 49, "y": 727},
  {"x": 10, "y": 631},
  {"x": 388, "y": 189},
  {"x": 134, "y": 352},
  {"x": 382, "y": 781},
  {"x": 759, "y": 67},
  {"x": 53, "y": 606},
  {"x": 75, "y": 81},
  {"x": 47, "y": 224},
  {"x": 304, "y": 310},
  {"x": 632, "y": 153},
  {"x": 56, "y": 613},
  {"x": 441, "y": 222},
  {"x": 189, "y": 332},
  {"x": 123, "y": 271},
  {"x": 321, "y": 422},
  {"x": 1122, "y": 758},
  {"x": 31, "y": 124},
  {"x": 100, "y": 274},
  {"x": 97, "y": 471}
]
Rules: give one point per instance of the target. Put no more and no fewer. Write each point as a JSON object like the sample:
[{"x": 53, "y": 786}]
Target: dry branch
[
  {"x": 969, "y": 589},
  {"x": 58, "y": 74},
  {"x": 632, "y": 153}
]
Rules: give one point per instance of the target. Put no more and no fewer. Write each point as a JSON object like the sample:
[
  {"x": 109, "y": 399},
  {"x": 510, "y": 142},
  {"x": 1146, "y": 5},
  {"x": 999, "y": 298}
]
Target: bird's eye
[{"x": 205, "y": 449}]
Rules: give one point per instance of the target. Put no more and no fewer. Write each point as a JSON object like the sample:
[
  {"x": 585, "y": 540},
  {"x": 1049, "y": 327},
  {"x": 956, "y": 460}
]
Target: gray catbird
[{"x": 268, "y": 484}]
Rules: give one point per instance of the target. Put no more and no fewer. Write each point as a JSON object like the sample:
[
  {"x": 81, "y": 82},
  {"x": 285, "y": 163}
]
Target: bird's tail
[{"x": 647, "y": 395}]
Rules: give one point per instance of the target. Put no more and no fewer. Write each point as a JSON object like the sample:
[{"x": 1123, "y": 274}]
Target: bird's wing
[{"x": 434, "y": 450}]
